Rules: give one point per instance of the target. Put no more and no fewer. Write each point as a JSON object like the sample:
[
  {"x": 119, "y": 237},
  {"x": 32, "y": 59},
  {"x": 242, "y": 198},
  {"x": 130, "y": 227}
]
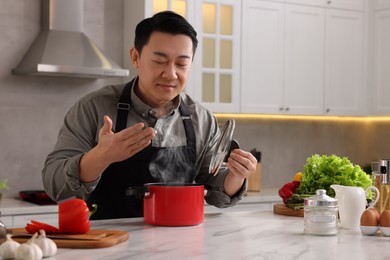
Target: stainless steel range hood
[{"x": 62, "y": 49}]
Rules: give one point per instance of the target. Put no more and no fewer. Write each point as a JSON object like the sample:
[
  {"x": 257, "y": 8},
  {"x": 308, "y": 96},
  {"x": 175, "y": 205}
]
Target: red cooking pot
[
  {"x": 172, "y": 204},
  {"x": 182, "y": 204}
]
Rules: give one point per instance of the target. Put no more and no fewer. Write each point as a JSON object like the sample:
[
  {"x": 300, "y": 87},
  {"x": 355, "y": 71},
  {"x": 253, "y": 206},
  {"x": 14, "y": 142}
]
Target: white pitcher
[{"x": 352, "y": 202}]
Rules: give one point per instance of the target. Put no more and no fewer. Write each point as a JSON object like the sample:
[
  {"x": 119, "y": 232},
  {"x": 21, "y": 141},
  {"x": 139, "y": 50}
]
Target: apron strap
[
  {"x": 188, "y": 126},
  {"x": 123, "y": 107}
]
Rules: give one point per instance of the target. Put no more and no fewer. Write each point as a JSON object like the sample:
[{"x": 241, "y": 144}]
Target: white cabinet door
[
  {"x": 262, "y": 57},
  {"x": 381, "y": 90},
  {"x": 357, "y": 5},
  {"x": 304, "y": 59},
  {"x": 344, "y": 71},
  {"x": 381, "y": 4},
  {"x": 308, "y": 2},
  {"x": 217, "y": 74}
]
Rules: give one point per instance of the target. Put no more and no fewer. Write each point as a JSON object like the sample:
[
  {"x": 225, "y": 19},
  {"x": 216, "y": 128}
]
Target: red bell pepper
[
  {"x": 288, "y": 189},
  {"x": 35, "y": 226},
  {"x": 73, "y": 216}
]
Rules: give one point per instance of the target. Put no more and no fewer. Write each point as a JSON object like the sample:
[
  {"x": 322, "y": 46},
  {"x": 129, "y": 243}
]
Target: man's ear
[{"x": 134, "y": 56}]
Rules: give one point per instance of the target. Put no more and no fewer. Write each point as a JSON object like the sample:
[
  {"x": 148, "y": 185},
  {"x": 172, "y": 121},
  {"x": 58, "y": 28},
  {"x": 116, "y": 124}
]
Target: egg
[
  {"x": 369, "y": 218},
  {"x": 376, "y": 212},
  {"x": 385, "y": 218}
]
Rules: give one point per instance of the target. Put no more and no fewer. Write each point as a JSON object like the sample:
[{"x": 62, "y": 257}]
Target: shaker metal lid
[
  {"x": 222, "y": 148},
  {"x": 320, "y": 200}
]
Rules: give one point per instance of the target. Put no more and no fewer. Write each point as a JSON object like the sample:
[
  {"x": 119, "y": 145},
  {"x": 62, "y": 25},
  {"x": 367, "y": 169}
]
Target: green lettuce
[{"x": 321, "y": 171}]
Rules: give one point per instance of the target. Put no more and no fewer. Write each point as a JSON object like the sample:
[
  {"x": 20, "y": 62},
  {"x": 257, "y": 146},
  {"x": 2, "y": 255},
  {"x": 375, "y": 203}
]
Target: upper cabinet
[
  {"x": 262, "y": 57},
  {"x": 302, "y": 59},
  {"x": 381, "y": 4},
  {"x": 381, "y": 87},
  {"x": 307, "y": 57},
  {"x": 217, "y": 72},
  {"x": 357, "y": 5},
  {"x": 345, "y": 57}
]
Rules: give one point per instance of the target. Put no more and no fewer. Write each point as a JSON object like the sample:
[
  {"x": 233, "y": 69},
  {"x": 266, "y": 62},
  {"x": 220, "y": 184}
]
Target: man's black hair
[{"x": 166, "y": 22}]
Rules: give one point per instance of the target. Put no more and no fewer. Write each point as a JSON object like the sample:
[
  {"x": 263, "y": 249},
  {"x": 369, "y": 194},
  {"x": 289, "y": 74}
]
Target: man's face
[{"x": 163, "y": 67}]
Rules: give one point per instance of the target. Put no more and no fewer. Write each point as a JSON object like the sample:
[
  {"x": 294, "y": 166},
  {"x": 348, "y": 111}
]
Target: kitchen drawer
[
  {"x": 240, "y": 207},
  {"x": 22, "y": 220},
  {"x": 7, "y": 220}
]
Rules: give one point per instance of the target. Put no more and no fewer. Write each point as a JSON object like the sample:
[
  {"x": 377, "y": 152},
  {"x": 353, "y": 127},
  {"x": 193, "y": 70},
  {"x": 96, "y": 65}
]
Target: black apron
[{"x": 110, "y": 193}]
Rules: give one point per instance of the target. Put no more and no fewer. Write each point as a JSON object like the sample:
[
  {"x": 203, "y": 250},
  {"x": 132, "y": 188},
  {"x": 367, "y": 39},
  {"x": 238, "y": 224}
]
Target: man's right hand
[
  {"x": 124, "y": 144},
  {"x": 113, "y": 147}
]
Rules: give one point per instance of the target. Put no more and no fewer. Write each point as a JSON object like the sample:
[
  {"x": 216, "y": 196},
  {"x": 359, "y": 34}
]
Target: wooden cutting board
[
  {"x": 92, "y": 239},
  {"x": 282, "y": 209}
]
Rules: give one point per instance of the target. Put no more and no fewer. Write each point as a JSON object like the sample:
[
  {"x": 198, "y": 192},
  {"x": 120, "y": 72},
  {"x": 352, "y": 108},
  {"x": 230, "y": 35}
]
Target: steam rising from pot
[{"x": 172, "y": 165}]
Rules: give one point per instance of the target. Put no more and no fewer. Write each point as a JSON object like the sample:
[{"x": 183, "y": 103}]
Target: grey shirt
[{"x": 80, "y": 133}]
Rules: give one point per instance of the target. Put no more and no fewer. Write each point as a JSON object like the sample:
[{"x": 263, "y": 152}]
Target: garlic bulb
[
  {"x": 29, "y": 250},
  {"x": 48, "y": 247},
  {"x": 8, "y": 248}
]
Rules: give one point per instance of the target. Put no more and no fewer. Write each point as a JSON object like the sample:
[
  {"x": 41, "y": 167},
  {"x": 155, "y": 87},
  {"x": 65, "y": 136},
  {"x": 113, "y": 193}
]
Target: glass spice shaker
[{"x": 320, "y": 214}]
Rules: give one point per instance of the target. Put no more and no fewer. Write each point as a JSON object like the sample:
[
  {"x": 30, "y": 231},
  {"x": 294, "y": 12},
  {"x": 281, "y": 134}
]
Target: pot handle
[
  {"x": 138, "y": 192},
  {"x": 212, "y": 188}
]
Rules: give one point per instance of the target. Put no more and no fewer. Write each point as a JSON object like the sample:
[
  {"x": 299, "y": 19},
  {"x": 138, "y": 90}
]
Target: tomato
[
  {"x": 35, "y": 226},
  {"x": 73, "y": 216}
]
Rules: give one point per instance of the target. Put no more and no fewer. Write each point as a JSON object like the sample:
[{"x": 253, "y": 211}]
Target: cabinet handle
[
  {"x": 327, "y": 110},
  {"x": 281, "y": 109},
  {"x": 287, "y": 109},
  {"x": 329, "y": 2}
]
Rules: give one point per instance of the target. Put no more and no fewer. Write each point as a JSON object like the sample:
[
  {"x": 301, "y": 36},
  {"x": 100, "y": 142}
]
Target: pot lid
[{"x": 223, "y": 147}]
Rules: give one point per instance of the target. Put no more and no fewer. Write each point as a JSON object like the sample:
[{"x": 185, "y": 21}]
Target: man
[{"x": 160, "y": 134}]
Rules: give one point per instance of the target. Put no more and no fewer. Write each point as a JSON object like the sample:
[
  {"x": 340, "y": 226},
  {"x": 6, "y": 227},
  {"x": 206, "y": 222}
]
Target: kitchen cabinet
[
  {"x": 17, "y": 213},
  {"x": 7, "y": 221},
  {"x": 381, "y": 91},
  {"x": 381, "y": 4},
  {"x": 345, "y": 75},
  {"x": 302, "y": 59},
  {"x": 262, "y": 84},
  {"x": 217, "y": 64},
  {"x": 357, "y": 5},
  {"x": 22, "y": 220}
]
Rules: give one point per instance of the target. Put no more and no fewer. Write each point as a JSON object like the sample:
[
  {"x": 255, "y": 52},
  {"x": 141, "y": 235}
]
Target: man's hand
[
  {"x": 113, "y": 147},
  {"x": 241, "y": 165},
  {"x": 122, "y": 145}
]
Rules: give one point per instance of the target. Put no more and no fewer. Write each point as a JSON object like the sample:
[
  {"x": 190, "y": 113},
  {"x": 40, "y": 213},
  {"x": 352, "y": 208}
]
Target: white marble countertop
[{"x": 233, "y": 235}]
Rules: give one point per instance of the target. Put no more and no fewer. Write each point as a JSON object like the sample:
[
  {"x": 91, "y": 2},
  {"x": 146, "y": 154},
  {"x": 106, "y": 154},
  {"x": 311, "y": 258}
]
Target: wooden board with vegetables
[
  {"x": 282, "y": 209},
  {"x": 37, "y": 240},
  {"x": 320, "y": 172},
  {"x": 91, "y": 239}
]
